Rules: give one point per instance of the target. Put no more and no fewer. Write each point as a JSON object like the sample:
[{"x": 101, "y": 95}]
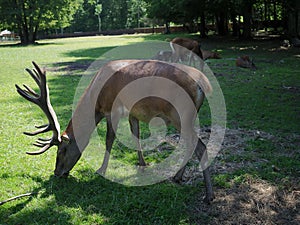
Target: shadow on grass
[
  {"x": 82, "y": 60},
  {"x": 89, "y": 53},
  {"x": 18, "y": 44},
  {"x": 62, "y": 200}
]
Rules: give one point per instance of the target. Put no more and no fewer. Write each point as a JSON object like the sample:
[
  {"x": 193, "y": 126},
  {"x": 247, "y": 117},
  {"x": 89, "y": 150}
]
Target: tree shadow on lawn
[
  {"x": 89, "y": 53},
  {"x": 83, "y": 58},
  {"x": 65, "y": 199},
  {"x": 18, "y": 44}
]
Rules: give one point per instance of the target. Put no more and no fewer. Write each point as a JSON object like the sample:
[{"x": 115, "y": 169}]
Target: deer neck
[{"x": 83, "y": 123}]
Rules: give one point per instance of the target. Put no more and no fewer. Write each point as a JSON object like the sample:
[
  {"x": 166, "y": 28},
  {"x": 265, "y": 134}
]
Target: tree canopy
[
  {"x": 238, "y": 17},
  {"x": 28, "y": 16}
]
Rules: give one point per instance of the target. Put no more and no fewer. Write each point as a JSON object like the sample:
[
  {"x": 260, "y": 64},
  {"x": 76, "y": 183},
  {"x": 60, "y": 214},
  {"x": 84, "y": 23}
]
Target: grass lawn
[{"x": 256, "y": 175}]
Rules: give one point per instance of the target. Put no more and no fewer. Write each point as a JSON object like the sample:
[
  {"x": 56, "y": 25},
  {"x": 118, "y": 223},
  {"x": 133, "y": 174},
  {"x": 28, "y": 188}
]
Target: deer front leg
[
  {"x": 135, "y": 130},
  {"x": 110, "y": 137},
  {"x": 190, "y": 56},
  {"x": 178, "y": 177}
]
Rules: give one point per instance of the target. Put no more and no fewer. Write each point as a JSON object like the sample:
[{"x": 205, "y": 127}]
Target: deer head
[{"x": 42, "y": 99}]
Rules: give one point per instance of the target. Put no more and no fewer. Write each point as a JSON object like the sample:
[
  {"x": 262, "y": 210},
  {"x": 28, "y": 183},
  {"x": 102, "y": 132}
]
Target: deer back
[{"x": 116, "y": 75}]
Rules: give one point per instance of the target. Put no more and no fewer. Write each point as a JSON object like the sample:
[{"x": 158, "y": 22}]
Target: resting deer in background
[
  {"x": 96, "y": 104},
  {"x": 178, "y": 52},
  {"x": 210, "y": 55},
  {"x": 245, "y": 62}
]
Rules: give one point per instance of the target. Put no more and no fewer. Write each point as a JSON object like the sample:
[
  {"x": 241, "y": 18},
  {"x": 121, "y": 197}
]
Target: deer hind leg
[
  {"x": 189, "y": 145},
  {"x": 135, "y": 130},
  {"x": 201, "y": 153},
  {"x": 188, "y": 139},
  {"x": 110, "y": 137}
]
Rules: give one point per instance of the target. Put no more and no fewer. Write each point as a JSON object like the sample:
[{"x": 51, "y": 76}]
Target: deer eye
[
  {"x": 65, "y": 138},
  {"x": 61, "y": 151}
]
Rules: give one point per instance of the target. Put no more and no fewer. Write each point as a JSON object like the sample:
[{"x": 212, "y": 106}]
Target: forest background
[{"x": 34, "y": 19}]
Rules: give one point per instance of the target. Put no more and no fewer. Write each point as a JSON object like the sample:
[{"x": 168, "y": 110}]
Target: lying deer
[
  {"x": 179, "y": 52},
  {"x": 210, "y": 55},
  {"x": 245, "y": 62},
  {"x": 97, "y": 103}
]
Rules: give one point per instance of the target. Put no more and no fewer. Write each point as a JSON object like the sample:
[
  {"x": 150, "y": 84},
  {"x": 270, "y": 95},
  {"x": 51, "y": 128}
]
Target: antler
[{"x": 43, "y": 101}]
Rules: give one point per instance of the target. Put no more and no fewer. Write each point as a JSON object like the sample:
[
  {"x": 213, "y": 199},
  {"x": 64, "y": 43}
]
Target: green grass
[{"x": 255, "y": 100}]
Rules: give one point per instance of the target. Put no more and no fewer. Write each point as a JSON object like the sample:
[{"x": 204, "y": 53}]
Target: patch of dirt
[
  {"x": 252, "y": 201},
  {"x": 234, "y": 144}
]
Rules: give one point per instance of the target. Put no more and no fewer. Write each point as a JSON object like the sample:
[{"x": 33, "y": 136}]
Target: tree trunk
[
  {"x": 27, "y": 30},
  {"x": 28, "y": 35},
  {"x": 167, "y": 30},
  {"x": 27, "y": 38},
  {"x": 247, "y": 26},
  {"x": 222, "y": 27},
  {"x": 275, "y": 16},
  {"x": 294, "y": 20},
  {"x": 235, "y": 31},
  {"x": 203, "y": 25},
  {"x": 99, "y": 23}
]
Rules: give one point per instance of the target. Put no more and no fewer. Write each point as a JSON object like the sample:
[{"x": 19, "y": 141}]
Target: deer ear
[{"x": 65, "y": 138}]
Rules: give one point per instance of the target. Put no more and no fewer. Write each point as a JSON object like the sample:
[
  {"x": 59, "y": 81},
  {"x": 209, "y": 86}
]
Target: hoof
[
  {"x": 143, "y": 164},
  {"x": 177, "y": 180},
  {"x": 142, "y": 167},
  {"x": 209, "y": 198},
  {"x": 100, "y": 172}
]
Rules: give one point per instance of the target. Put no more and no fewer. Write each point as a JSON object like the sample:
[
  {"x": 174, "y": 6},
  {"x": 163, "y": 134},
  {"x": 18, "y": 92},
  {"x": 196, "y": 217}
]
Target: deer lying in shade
[
  {"x": 245, "y": 62},
  {"x": 97, "y": 103},
  {"x": 210, "y": 55}
]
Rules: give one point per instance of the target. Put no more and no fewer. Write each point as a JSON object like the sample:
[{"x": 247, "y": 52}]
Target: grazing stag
[
  {"x": 179, "y": 52},
  {"x": 245, "y": 62},
  {"x": 98, "y": 101}
]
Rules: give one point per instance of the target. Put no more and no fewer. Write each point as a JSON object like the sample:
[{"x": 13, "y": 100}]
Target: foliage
[
  {"x": 224, "y": 12},
  {"x": 241, "y": 17},
  {"x": 28, "y": 16},
  {"x": 136, "y": 13},
  {"x": 108, "y": 14},
  {"x": 166, "y": 10},
  {"x": 114, "y": 14},
  {"x": 84, "y": 18}
]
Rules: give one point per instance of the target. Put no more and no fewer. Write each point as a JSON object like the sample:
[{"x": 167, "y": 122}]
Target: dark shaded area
[
  {"x": 86, "y": 57},
  {"x": 117, "y": 203},
  {"x": 18, "y": 44}
]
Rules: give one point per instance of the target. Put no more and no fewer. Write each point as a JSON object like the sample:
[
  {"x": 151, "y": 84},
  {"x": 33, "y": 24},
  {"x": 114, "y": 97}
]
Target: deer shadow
[{"x": 116, "y": 203}]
